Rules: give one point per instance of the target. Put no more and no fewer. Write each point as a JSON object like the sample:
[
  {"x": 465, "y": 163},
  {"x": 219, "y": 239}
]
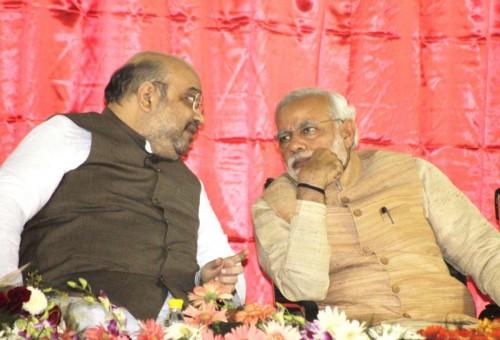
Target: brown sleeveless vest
[
  {"x": 125, "y": 220},
  {"x": 382, "y": 270}
]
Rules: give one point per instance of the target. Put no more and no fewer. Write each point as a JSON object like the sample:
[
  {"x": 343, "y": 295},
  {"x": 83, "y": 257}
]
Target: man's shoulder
[
  {"x": 376, "y": 154},
  {"x": 81, "y": 117},
  {"x": 377, "y": 157}
]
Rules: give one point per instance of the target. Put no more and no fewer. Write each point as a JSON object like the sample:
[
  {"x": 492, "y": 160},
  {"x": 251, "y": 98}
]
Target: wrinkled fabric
[{"x": 423, "y": 75}]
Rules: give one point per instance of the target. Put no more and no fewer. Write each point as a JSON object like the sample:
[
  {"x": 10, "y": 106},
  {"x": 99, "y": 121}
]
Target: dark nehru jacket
[{"x": 125, "y": 220}]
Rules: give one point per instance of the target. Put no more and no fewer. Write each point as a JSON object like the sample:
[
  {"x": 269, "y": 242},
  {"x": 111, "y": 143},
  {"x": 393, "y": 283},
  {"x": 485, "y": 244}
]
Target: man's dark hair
[{"x": 127, "y": 79}]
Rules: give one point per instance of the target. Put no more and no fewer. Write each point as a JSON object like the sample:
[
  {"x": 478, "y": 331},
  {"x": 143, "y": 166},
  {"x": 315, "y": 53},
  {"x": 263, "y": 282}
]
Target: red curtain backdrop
[{"x": 423, "y": 74}]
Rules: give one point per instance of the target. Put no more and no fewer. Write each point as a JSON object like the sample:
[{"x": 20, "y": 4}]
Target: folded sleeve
[{"x": 296, "y": 255}]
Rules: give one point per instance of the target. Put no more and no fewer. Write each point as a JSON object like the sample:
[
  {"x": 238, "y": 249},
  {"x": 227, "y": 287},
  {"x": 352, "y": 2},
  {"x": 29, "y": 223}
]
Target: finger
[
  {"x": 232, "y": 271},
  {"x": 228, "y": 280},
  {"x": 215, "y": 264},
  {"x": 211, "y": 269},
  {"x": 235, "y": 259}
]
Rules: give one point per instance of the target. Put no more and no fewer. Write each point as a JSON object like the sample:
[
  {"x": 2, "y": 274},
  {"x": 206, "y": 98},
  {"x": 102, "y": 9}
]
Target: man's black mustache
[{"x": 193, "y": 125}]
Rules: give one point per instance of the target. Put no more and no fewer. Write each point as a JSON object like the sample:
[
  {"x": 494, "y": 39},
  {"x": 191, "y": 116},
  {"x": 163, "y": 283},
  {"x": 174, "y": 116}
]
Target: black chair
[
  {"x": 492, "y": 311},
  {"x": 497, "y": 204},
  {"x": 306, "y": 309}
]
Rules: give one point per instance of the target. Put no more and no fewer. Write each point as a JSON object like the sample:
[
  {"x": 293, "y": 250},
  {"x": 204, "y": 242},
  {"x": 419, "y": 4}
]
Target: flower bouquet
[{"x": 31, "y": 312}]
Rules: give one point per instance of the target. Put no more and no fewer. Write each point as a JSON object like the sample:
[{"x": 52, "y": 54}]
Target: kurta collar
[{"x": 352, "y": 171}]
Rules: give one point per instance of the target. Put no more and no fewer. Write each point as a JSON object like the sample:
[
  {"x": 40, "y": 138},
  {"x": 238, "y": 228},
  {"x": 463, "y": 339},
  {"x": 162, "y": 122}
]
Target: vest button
[
  {"x": 357, "y": 212},
  {"x": 345, "y": 199},
  {"x": 406, "y": 315},
  {"x": 366, "y": 250},
  {"x": 396, "y": 289},
  {"x": 384, "y": 260}
]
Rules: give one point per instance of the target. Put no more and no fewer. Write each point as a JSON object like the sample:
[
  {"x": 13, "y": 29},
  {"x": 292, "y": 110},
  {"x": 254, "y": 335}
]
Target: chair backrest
[{"x": 497, "y": 205}]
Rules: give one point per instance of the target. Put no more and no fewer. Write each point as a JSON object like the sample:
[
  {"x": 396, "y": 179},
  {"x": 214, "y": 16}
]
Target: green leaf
[
  {"x": 83, "y": 282},
  {"x": 105, "y": 302},
  {"x": 72, "y": 284},
  {"x": 90, "y": 299}
]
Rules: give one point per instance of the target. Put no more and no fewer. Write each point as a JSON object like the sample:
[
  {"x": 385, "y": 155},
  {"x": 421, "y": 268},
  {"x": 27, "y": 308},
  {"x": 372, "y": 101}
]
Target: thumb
[
  {"x": 211, "y": 270},
  {"x": 213, "y": 265}
]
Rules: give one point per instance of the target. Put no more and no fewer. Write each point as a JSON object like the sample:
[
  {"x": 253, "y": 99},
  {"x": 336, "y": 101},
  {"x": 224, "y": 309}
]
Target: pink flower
[
  {"x": 276, "y": 331},
  {"x": 208, "y": 334},
  {"x": 101, "y": 333},
  {"x": 210, "y": 293},
  {"x": 244, "y": 333},
  {"x": 150, "y": 330},
  {"x": 204, "y": 315}
]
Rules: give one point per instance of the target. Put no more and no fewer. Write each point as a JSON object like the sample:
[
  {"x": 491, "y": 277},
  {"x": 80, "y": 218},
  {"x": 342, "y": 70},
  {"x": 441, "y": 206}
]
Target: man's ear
[
  {"x": 348, "y": 130},
  {"x": 146, "y": 96}
]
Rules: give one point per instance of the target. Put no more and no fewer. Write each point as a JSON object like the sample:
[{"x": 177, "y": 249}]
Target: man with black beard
[
  {"x": 367, "y": 231},
  {"x": 108, "y": 198}
]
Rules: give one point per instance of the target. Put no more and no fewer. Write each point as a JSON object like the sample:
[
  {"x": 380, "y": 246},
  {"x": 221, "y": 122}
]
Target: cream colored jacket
[{"x": 379, "y": 264}]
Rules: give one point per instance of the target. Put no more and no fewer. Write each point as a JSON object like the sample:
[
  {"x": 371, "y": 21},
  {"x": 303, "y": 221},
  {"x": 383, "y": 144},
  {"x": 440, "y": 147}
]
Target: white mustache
[{"x": 297, "y": 157}]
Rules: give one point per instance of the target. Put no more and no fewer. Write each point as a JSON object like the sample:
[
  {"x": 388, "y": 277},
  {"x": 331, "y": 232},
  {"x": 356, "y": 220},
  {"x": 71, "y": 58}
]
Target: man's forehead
[
  {"x": 184, "y": 77},
  {"x": 311, "y": 108}
]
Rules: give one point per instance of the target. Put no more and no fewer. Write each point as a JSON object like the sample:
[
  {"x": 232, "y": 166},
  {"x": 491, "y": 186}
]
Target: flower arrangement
[
  {"x": 30, "y": 312},
  {"x": 26, "y": 313}
]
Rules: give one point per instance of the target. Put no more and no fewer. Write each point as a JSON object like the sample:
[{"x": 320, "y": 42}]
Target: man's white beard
[{"x": 337, "y": 148}]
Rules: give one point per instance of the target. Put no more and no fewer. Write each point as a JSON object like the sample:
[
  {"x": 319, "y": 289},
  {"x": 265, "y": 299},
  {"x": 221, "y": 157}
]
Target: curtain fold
[{"x": 423, "y": 75}]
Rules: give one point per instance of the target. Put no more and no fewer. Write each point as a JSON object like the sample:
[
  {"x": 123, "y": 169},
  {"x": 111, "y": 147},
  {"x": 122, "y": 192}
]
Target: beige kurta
[{"x": 379, "y": 266}]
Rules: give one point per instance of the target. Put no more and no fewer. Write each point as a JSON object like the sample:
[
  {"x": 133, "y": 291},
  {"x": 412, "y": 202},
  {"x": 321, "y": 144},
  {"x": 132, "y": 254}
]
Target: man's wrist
[
  {"x": 197, "y": 278},
  {"x": 311, "y": 187}
]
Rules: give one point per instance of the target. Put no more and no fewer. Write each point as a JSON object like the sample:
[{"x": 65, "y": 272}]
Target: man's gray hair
[{"x": 338, "y": 108}]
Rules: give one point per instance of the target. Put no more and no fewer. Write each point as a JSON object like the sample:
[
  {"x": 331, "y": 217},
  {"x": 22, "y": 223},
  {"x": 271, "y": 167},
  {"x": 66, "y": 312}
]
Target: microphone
[{"x": 384, "y": 210}]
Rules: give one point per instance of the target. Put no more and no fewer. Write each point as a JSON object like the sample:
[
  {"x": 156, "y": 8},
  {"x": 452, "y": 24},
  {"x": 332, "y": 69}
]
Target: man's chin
[{"x": 182, "y": 148}]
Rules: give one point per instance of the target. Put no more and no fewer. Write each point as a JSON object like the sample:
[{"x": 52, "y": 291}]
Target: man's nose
[
  {"x": 297, "y": 143},
  {"x": 198, "y": 116}
]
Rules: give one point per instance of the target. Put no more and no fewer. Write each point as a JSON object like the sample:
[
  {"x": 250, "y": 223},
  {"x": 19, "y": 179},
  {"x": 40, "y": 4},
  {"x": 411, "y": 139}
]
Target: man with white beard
[{"x": 367, "y": 231}]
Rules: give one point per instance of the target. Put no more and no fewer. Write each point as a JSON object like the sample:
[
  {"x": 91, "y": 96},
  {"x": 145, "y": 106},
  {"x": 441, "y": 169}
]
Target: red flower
[
  {"x": 55, "y": 316},
  {"x": 17, "y": 296},
  {"x": 3, "y": 300},
  {"x": 433, "y": 332}
]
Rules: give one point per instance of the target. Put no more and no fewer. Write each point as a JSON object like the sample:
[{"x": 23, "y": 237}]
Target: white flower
[
  {"x": 329, "y": 319},
  {"x": 85, "y": 314},
  {"x": 350, "y": 331},
  {"x": 182, "y": 331},
  {"x": 37, "y": 302},
  {"x": 392, "y": 332},
  {"x": 275, "y": 330}
]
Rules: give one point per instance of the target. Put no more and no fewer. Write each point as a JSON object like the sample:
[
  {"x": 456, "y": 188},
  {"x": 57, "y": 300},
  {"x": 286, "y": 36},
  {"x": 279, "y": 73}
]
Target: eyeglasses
[
  {"x": 308, "y": 129},
  {"x": 192, "y": 99},
  {"x": 195, "y": 99}
]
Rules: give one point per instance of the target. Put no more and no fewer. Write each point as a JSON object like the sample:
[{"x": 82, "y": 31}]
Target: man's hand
[
  {"x": 322, "y": 169},
  {"x": 224, "y": 270}
]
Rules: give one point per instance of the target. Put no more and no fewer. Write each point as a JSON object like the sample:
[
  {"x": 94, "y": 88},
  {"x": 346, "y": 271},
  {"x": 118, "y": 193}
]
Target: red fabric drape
[{"x": 423, "y": 74}]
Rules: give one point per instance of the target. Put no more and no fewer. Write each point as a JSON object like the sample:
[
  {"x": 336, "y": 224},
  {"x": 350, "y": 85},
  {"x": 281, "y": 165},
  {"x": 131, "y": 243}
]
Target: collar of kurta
[{"x": 353, "y": 170}]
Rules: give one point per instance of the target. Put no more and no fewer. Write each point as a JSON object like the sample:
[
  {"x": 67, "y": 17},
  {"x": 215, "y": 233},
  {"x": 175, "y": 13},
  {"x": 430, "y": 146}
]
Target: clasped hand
[{"x": 322, "y": 169}]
